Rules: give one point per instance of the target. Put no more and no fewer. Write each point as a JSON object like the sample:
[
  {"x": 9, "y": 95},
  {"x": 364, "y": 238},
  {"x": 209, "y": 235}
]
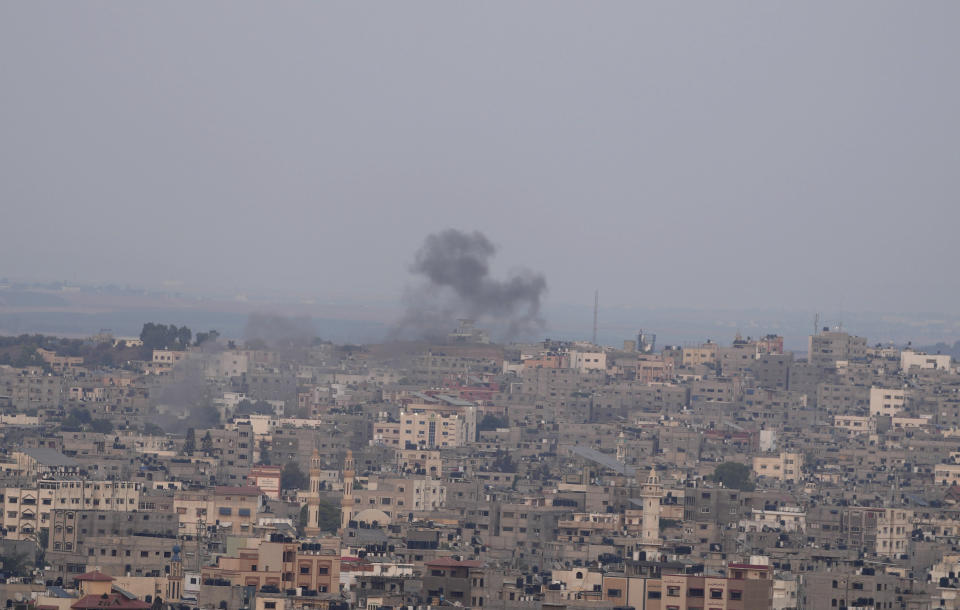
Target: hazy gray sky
[{"x": 715, "y": 154}]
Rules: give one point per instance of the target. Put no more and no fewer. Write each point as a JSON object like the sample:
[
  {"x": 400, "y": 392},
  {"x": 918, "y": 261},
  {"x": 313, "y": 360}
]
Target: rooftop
[{"x": 50, "y": 457}]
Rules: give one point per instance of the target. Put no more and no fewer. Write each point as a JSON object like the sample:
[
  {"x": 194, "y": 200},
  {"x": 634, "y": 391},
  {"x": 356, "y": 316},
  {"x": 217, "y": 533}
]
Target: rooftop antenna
[
  {"x": 596, "y": 307},
  {"x": 816, "y": 323}
]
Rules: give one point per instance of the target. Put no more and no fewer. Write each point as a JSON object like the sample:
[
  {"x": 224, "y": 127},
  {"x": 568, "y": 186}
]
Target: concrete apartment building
[
  {"x": 746, "y": 587},
  {"x": 843, "y": 399},
  {"x": 705, "y": 354},
  {"x": 828, "y": 347},
  {"x": 782, "y": 467},
  {"x": 587, "y": 361},
  {"x": 771, "y": 370},
  {"x": 716, "y": 389},
  {"x": 888, "y": 402},
  {"x": 737, "y": 358},
  {"x": 30, "y": 388},
  {"x": 389, "y": 499},
  {"x": 231, "y": 510},
  {"x": 866, "y": 588},
  {"x": 894, "y": 529},
  {"x": 139, "y": 544},
  {"x": 456, "y": 580},
  {"x": 285, "y": 564},
  {"x": 910, "y": 359},
  {"x": 28, "y": 505},
  {"x": 425, "y": 426}
]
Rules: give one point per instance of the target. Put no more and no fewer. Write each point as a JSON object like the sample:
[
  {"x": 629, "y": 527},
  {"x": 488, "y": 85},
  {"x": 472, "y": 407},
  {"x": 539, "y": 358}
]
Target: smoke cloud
[
  {"x": 456, "y": 268},
  {"x": 184, "y": 397},
  {"x": 279, "y": 332}
]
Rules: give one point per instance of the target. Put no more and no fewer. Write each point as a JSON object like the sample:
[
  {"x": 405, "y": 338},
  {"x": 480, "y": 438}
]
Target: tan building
[
  {"x": 394, "y": 498},
  {"x": 59, "y": 363},
  {"x": 783, "y": 467},
  {"x": 420, "y": 461},
  {"x": 387, "y": 433},
  {"x": 894, "y": 528},
  {"x": 168, "y": 356},
  {"x": 286, "y": 565},
  {"x": 654, "y": 368},
  {"x": 27, "y": 509},
  {"x": 703, "y": 355},
  {"x": 267, "y": 478},
  {"x": 588, "y": 361},
  {"x": 946, "y": 474},
  {"x": 426, "y": 426},
  {"x": 855, "y": 424},
  {"x": 233, "y": 509},
  {"x": 910, "y": 359},
  {"x": 828, "y": 347},
  {"x": 747, "y": 587},
  {"x": 887, "y": 402}
]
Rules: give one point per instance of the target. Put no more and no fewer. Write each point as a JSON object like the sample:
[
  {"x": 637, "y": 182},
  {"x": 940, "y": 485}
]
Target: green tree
[
  {"x": 104, "y": 426},
  {"x": 76, "y": 419},
  {"x": 190, "y": 443},
  {"x": 291, "y": 477},
  {"x": 162, "y": 336},
  {"x": 246, "y": 408},
  {"x": 302, "y": 521},
  {"x": 492, "y": 422},
  {"x": 152, "y": 429},
  {"x": 29, "y": 357},
  {"x": 264, "y": 452},
  {"x": 733, "y": 475},
  {"x": 183, "y": 336},
  {"x": 329, "y": 516},
  {"x": 43, "y": 538},
  {"x": 206, "y": 444},
  {"x": 504, "y": 463},
  {"x": 15, "y": 562},
  {"x": 202, "y": 337}
]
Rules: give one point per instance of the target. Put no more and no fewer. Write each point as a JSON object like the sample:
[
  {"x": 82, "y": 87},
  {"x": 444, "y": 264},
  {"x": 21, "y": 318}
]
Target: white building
[
  {"x": 910, "y": 359},
  {"x": 885, "y": 401},
  {"x": 588, "y": 361}
]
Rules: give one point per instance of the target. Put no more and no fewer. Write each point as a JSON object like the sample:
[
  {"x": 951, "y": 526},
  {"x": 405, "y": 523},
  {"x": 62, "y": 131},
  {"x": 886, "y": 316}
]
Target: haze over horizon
[{"x": 772, "y": 156}]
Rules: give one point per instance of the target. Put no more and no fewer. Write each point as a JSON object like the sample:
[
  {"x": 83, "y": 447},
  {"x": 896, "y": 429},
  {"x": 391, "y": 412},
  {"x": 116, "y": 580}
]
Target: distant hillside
[
  {"x": 943, "y": 348},
  {"x": 29, "y": 298}
]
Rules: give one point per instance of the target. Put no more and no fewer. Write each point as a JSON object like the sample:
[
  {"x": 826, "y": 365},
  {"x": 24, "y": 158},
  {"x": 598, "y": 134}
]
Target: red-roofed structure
[
  {"x": 94, "y": 576},
  {"x": 98, "y": 593}
]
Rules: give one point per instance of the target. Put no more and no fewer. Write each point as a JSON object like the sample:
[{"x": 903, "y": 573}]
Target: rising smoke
[
  {"x": 456, "y": 268},
  {"x": 279, "y": 332}
]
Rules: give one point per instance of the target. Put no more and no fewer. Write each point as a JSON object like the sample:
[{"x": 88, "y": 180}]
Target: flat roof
[{"x": 50, "y": 457}]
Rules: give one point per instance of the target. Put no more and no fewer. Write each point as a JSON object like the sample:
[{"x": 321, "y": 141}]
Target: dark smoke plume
[
  {"x": 455, "y": 265},
  {"x": 186, "y": 397}
]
